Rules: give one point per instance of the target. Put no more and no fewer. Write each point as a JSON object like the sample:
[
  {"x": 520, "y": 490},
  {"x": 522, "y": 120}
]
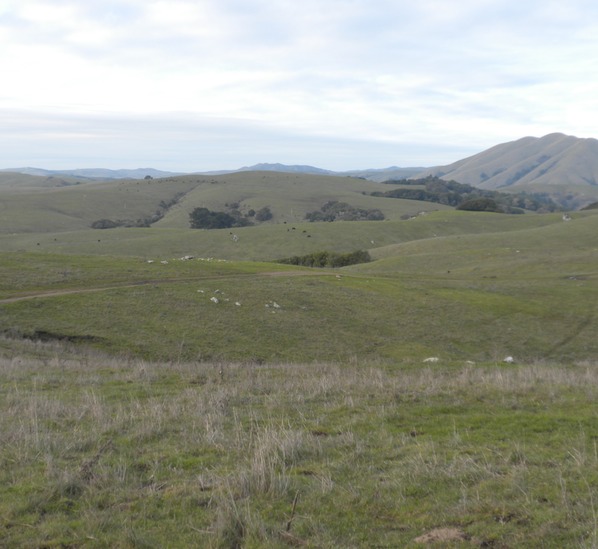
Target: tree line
[{"x": 467, "y": 197}]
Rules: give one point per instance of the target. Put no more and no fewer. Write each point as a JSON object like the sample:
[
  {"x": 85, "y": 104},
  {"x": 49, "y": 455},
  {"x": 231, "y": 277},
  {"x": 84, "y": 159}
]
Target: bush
[
  {"x": 104, "y": 224},
  {"x": 263, "y": 214},
  {"x": 480, "y": 205},
  {"x": 328, "y": 259},
  {"x": 202, "y": 218},
  {"x": 341, "y": 211}
]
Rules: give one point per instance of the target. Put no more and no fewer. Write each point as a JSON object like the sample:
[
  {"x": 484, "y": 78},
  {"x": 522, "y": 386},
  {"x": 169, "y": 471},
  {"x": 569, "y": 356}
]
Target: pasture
[{"x": 165, "y": 386}]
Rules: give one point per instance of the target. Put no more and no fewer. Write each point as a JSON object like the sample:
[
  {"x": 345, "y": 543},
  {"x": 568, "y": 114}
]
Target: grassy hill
[
  {"x": 270, "y": 241},
  {"x": 19, "y": 182},
  {"x": 564, "y": 166},
  {"x": 226, "y": 400},
  {"x": 290, "y": 197},
  {"x": 462, "y": 296}
]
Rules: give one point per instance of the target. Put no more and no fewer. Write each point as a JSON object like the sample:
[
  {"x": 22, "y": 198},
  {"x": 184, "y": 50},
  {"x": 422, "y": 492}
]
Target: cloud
[{"x": 382, "y": 73}]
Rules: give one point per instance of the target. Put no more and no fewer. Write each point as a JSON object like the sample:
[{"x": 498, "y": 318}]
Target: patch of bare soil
[{"x": 442, "y": 535}]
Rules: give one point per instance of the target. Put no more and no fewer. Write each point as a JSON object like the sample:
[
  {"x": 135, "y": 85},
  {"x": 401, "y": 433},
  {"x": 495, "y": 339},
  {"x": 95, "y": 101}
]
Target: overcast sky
[{"x": 340, "y": 84}]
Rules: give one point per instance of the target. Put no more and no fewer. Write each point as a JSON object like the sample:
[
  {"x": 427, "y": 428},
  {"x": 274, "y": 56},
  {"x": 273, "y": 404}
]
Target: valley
[{"x": 170, "y": 386}]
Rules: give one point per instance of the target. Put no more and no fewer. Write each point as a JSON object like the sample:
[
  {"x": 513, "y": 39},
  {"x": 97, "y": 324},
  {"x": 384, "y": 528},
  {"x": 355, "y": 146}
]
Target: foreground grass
[{"x": 98, "y": 452}]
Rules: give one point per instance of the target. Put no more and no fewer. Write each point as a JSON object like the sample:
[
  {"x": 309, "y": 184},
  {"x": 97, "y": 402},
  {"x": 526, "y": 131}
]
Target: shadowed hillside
[{"x": 556, "y": 163}]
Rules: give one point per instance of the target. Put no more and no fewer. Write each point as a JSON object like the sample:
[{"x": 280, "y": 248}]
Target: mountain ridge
[
  {"x": 563, "y": 166},
  {"x": 554, "y": 159}
]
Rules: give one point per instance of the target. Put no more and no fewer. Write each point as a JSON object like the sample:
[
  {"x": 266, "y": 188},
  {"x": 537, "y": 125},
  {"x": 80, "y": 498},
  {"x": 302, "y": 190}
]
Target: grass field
[
  {"x": 530, "y": 292},
  {"x": 100, "y": 452},
  {"x": 226, "y": 400}
]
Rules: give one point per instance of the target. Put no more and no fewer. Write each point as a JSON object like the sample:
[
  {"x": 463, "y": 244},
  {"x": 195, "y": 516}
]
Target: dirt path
[{"x": 69, "y": 291}]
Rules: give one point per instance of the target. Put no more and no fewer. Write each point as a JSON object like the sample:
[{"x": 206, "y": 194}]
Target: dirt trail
[{"x": 69, "y": 291}]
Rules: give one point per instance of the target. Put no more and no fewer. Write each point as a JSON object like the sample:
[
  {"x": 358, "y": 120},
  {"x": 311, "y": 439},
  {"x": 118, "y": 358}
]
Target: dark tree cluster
[
  {"x": 452, "y": 193},
  {"x": 328, "y": 259},
  {"x": 203, "y": 218},
  {"x": 334, "y": 210},
  {"x": 480, "y": 205}
]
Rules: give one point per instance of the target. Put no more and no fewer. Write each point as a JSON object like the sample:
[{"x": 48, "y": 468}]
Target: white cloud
[{"x": 389, "y": 73}]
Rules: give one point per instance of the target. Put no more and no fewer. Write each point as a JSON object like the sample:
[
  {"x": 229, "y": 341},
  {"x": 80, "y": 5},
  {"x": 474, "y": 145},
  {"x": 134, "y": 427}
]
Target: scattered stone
[
  {"x": 214, "y": 300},
  {"x": 431, "y": 359},
  {"x": 509, "y": 360}
]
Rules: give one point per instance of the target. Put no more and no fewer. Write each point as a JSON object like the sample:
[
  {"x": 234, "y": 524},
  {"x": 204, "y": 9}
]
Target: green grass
[
  {"x": 529, "y": 293},
  {"x": 101, "y": 452},
  {"x": 170, "y": 315},
  {"x": 272, "y": 241},
  {"x": 224, "y": 401}
]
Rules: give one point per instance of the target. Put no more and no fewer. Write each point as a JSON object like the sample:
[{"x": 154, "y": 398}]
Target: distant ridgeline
[{"x": 466, "y": 197}]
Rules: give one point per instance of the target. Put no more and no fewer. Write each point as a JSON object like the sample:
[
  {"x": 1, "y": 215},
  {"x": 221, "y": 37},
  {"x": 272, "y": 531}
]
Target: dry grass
[{"x": 103, "y": 452}]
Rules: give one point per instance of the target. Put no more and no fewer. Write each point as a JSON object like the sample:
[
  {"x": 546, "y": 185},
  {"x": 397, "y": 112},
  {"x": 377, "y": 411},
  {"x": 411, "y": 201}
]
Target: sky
[{"x": 203, "y": 85}]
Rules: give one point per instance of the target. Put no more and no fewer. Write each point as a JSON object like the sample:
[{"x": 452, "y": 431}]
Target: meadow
[
  {"x": 168, "y": 387},
  {"x": 106, "y": 452}
]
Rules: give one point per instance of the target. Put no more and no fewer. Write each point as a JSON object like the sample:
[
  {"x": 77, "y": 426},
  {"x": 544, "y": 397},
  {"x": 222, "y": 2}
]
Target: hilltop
[
  {"x": 94, "y": 173},
  {"x": 564, "y": 166}
]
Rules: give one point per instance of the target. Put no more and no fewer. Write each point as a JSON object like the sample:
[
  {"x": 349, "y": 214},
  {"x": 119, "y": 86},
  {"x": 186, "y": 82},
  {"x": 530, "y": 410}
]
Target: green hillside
[
  {"x": 270, "y": 241},
  {"x": 167, "y": 386},
  {"x": 464, "y": 297}
]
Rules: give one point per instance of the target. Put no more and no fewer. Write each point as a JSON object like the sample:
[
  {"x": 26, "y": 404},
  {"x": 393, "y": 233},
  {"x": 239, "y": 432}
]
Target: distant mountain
[
  {"x": 285, "y": 169},
  {"x": 96, "y": 173},
  {"x": 530, "y": 163},
  {"x": 384, "y": 174},
  {"x": 381, "y": 174}
]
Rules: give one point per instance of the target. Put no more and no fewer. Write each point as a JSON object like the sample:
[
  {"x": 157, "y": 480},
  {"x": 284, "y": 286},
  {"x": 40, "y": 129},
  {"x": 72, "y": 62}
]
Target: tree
[
  {"x": 480, "y": 205},
  {"x": 104, "y": 224},
  {"x": 202, "y": 218},
  {"x": 263, "y": 214}
]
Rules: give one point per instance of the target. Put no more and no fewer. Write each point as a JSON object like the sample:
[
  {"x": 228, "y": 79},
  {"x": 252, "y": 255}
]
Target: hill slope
[
  {"x": 94, "y": 173},
  {"x": 556, "y": 163},
  {"x": 290, "y": 197}
]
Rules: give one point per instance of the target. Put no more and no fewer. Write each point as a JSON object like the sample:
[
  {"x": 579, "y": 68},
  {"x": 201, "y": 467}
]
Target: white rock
[
  {"x": 509, "y": 360},
  {"x": 214, "y": 300},
  {"x": 431, "y": 359}
]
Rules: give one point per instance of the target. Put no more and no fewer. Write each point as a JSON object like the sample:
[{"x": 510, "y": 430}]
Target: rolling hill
[
  {"x": 290, "y": 197},
  {"x": 564, "y": 166},
  {"x": 94, "y": 173},
  {"x": 167, "y": 386}
]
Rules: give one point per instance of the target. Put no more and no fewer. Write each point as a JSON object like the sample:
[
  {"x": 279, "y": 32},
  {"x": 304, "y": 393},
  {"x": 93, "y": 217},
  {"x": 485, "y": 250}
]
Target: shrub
[
  {"x": 202, "y": 218},
  {"x": 323, "y": 259},
  {"x": 480, "y": 205},
  {"x": 104, "y": 224},
  {"x": 341, "y": 211},
  {"x": 263, "y": 214}
]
